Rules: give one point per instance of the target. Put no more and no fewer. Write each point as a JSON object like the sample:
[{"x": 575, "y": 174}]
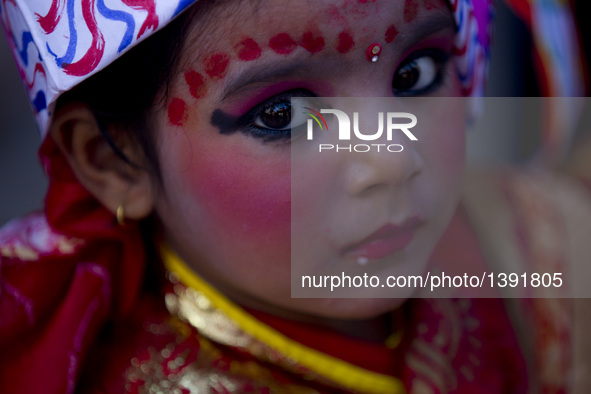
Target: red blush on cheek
[
  {"x": 282, "y": 44},
  {"x": 248, "y": 49},
  {"x": 345, "y": 42},
  {"x": 196, "y": 84},
  {"x": 311, "y": 42},
  {"x": 391, "y": 34},
  {"x": 217, "y": 65},
  {"x": 248, "y": 199},
  {"x": 177, "y": 112}
]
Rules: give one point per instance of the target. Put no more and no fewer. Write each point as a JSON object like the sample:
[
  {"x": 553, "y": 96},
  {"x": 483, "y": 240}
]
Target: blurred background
[{"x": 22, "y": 183}]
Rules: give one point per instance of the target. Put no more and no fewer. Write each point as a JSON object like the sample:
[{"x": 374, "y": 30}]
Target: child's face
[{"x": 226, "y": 197}]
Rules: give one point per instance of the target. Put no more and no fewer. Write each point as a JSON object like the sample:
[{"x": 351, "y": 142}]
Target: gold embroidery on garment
[
  {"x": 174, "y": 368},
  {"x": 20, "y": 252},
  {"x": 425, "y": 371},
  {"x": 27, "y": 253},
  {"x": 420, "y": 387},
  {"x": 219, "y": 319},
  {"x": 68, "y": 245},
  {"x": 432, "y": 360},
  {"x": 547, "y": 240}
]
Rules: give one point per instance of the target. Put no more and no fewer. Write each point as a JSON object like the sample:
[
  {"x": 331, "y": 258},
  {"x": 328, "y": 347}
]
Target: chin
[{"x": 351, "y": 308}]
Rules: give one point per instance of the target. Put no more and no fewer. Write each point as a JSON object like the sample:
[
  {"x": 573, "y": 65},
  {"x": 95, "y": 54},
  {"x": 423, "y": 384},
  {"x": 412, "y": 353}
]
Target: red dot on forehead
[
  {"x": 196, "y": 84},
  {"x": 311, "y": 42},
  {"x": 177, "y": 112},
  {"x": 282, "y": 44},
  {"x": 411, "y": 7},
  {"x": 391, "y": 34},
  {"x": 430, "y": 4},
  {"x": 216, "y": 65},
  {"x": 345, "y": 42},
  {"x": 248, "y": 49}
]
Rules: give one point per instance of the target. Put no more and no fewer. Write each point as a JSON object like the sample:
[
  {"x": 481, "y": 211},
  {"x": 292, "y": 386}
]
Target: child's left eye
[{"x": 419, "y": 74}]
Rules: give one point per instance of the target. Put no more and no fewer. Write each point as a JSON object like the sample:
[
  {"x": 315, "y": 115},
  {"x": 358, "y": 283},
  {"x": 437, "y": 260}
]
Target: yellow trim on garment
[{"x": 345, "y": 374}]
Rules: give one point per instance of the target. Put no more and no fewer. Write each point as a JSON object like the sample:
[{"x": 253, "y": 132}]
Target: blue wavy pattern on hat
[{"x": 79, "y": 38}]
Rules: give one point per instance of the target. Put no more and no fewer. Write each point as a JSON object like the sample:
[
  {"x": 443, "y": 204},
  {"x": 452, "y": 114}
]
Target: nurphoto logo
[{"x": 395, "y": 122}]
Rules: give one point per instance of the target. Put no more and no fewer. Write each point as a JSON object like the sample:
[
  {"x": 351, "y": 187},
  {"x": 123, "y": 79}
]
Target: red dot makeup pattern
[
  {"x": 411, "y": 8},
  {"x": 312, "y": 42},
  {"x": 345, "y": 43},
  {"x": 216, "y": 65},
  {"x": 196, "y": 84},
  {"x": 391, "y": 34},
  {"x": 177, "y": 112},
  {"x": 282, "y": 44},
  {"x": 248, "y": 49},
  {"x": 431, "y": 4}
]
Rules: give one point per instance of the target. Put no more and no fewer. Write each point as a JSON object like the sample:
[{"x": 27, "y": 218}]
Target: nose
[{"x": 389, "y": 164}]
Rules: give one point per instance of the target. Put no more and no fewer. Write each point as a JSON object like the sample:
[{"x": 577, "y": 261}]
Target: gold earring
[{"x": 120, "y": 215}]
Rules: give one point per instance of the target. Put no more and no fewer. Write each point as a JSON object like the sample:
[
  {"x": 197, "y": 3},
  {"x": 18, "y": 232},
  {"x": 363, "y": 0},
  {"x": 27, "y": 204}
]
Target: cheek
[
  {"x": 445, "y": 157},
  {"x": 245, "y": 198},
  {"x": 448, "y": 150}
]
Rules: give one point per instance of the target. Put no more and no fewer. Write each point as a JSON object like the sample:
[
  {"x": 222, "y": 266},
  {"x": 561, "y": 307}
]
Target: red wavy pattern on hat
[
  {"x": 38, "y": 70},
  {"x": 50, "y": 21},
  {"x": 149, "y": 6},
  {"x": 93, "y": 56}
]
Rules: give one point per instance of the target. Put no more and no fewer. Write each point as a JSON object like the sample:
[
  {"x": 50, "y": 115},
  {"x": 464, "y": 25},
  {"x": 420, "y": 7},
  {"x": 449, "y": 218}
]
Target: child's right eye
[{"x": 420, "y": 73}]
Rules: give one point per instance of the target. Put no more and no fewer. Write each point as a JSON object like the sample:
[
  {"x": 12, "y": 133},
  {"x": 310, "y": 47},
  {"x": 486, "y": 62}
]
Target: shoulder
[
  {"x": 51, "y": 302},
  {"x": 29, "y": 237},
  {"x": 538, "y": 223},
  {"x": 33, "y": 265},
  {"x": 529, "y": 219}
]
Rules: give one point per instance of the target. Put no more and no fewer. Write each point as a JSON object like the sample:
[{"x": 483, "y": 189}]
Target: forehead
[
  {"x": 221, "y": 22},
  {"x": 236, "y": 47}
]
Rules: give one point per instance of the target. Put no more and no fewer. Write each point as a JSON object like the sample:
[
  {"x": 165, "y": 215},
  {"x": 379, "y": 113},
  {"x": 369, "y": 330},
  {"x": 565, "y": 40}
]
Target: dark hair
[{"x": 123, "y": 95}]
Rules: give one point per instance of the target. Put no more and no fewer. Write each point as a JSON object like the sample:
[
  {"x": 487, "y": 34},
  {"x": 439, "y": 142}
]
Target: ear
[{"x": 97, "y": 166}]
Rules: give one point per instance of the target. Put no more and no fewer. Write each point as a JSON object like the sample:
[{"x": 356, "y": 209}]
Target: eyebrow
[
  {"x": 273, "y": 70},
  {"x": 262, "y": 73},
  {"x": 429, "y": 24}
]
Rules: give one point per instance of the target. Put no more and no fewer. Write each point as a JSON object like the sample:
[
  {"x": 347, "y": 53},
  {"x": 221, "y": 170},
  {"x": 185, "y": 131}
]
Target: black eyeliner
[
  {"x": 441, "y": 59},
  {"x": 228, "y": 124}
]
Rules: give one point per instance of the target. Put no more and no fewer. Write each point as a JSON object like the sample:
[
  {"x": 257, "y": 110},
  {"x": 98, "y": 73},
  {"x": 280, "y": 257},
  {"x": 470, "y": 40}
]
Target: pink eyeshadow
[{"x": 240, "y": 107}]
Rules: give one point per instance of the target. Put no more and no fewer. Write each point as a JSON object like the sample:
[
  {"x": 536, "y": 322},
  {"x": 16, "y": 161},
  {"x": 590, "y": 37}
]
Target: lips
[{"x": 386, "y": 241}]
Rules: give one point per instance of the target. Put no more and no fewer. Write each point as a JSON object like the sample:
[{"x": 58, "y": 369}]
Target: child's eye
[
  {"x": 419, "y": 74},
  {"x": 274, "y": 115},
  {"x": 272, "y": 120}
]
